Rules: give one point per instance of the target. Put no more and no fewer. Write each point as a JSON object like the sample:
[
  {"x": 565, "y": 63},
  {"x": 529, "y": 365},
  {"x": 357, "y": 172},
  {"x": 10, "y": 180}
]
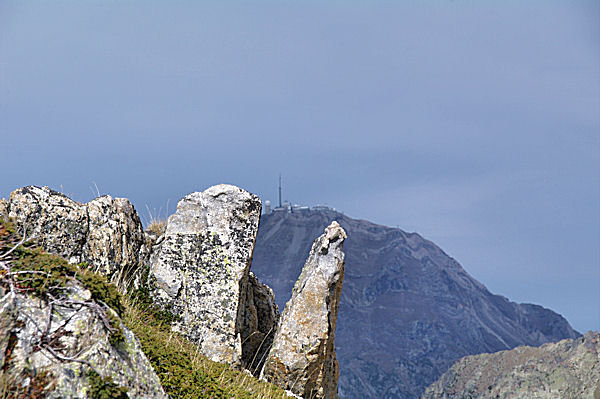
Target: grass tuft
[
  {"x": 157, "y": 222},
  {"x": 183, "y": 371},
  {"x": 157, "y": 227}
]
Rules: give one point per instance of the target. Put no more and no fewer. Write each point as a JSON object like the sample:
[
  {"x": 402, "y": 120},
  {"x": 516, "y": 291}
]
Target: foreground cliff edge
[{"x": 192, "y": 283}]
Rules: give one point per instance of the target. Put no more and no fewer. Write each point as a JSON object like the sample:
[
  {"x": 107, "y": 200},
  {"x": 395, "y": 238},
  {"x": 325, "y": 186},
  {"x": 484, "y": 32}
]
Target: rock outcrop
[
  {"x": 115, "y": 237},
  {"x": 54, "y": 346},
  {"x": 303, "y": 358},
  {"x": 107, "y": 233},
  {"x": 59, "y": 223},
  {"x": 567, "y": 369},
  {"x": 199, "y": 270},
  {"x": 408, "y": 310}
]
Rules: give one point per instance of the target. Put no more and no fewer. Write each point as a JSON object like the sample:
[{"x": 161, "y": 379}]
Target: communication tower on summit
[{"x": 280, "y": 205}]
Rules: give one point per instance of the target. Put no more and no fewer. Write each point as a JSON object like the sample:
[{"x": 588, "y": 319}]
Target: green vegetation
[
  {"x": 44, "y": 274},
  {"x": 141, "y": 297},
  {"x": 104, "y": 387},
  {"x": 100, "y": 288},
  {"x": 183, "y": 372},
  {"x": 116, "y": 336}
]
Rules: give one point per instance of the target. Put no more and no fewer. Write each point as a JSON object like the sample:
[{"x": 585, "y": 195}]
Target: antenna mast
[{"x": 280, "y": 190}]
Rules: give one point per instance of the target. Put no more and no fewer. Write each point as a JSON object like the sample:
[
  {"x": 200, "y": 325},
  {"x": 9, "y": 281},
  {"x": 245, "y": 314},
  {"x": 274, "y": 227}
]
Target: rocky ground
[{"x": 93, "y": 306}]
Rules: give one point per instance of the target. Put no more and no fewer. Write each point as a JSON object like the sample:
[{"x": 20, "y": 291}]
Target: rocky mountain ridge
[
  {"x": 566, "y": 369},
  {"x": 408, "y": 310}
]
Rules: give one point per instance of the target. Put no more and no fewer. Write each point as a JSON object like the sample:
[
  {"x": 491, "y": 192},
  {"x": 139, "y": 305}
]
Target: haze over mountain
[
  {"x": 473, "y": 123},
  {"x": 408, "y": 310}
]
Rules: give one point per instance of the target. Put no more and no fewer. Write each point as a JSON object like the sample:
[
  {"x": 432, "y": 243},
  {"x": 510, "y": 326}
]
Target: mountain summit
[{"x": 408, "y": 310}]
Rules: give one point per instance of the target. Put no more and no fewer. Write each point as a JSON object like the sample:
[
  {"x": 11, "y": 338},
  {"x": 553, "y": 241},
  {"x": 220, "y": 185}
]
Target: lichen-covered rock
[
  {"x": 59, "y": 223},
  {"x": 105, "y": 232},
  {"x": 259, "y": 324},
  {"x": 115, "y": 238},
  {"x": 566, "y": 369},
  {"x": 302, "y": 358},
  {"x": 199, "y": 270},
  {"x": 60, "y": 349},
  {"x": 3, "y": 208}
]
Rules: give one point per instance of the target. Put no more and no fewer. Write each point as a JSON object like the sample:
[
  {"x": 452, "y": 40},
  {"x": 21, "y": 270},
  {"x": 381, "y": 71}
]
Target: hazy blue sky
[{"x": 476, "y": 124}]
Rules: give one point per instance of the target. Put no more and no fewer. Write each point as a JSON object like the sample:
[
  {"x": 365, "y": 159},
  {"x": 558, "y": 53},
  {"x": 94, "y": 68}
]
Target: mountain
[
  {"x": 408, "y": 310},
  {"x": 567, "y": 369}
]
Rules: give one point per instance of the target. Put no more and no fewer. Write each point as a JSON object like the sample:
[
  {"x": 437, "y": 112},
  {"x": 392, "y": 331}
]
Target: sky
[{"x": 475, "y": 124}]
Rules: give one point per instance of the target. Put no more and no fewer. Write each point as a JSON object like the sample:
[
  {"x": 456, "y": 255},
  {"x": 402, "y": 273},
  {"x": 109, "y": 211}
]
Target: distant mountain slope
[
  {"x": 408, "y": 310},
  {"x": 569, "y": 369}
]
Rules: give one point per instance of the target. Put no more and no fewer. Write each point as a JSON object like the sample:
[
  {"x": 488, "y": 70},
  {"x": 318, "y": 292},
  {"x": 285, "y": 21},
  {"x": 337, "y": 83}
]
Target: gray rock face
[
  {"x": 74, "y": 332},
  {"x": 259, "y": 324},
  {"x": 199, "y": 269},
  {"x": 408, "y": 310},
  {"x": 566, "y": 369},
  {"x": 59, "y": 223},
  {"x": 107, "y": 233},
  {"x": 303, "y": 358},
  {"x": 115, "y": 237},
  {"x": 3, "y": 208}
]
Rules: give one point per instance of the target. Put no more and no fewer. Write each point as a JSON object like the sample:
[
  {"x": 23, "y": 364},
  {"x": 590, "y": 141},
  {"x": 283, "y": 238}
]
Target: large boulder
[
  {"x": 59, "y": 223},
  {"x": 115, "y": 238},
  {"x": 107, "y": 233},
  {"x": 55, "y": 348},
  {"x": 199, "y": 269},
  {"x": 303, "y": 358}
]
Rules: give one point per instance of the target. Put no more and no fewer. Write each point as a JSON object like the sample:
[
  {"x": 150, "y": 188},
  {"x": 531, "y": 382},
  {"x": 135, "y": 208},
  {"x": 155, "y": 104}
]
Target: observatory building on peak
[{"x": 287, "y": 207}]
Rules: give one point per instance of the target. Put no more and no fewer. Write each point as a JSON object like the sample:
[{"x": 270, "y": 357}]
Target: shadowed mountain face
[{"x": 408, "y": 310}]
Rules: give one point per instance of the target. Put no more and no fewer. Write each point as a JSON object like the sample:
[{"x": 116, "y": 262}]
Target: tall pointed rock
[
  {"x": 302, "y": 358},
  {"x": 199, "y": 270}
]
